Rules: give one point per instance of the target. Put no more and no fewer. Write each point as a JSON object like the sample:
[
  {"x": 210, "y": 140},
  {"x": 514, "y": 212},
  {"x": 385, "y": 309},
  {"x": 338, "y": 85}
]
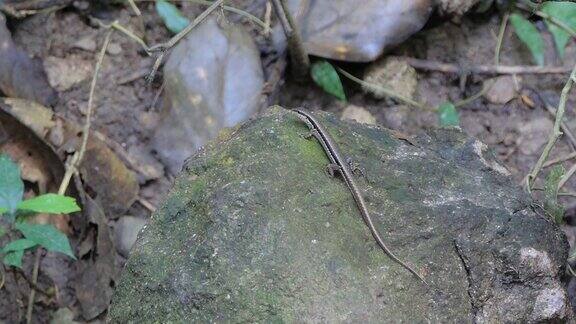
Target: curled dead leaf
[
  {"x": 113, "y": 183},
  {"x": 20, "y": 75},
  {"x": 40, "y": 166}
]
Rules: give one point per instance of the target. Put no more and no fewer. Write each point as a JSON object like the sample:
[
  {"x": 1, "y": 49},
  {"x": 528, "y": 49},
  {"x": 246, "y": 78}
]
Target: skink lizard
[{"x": 337, "y": 163}]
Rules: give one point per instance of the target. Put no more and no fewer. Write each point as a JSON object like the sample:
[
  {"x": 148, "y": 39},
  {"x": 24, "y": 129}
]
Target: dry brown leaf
[
  {"x": 20, "y": 75},
  {"x": 39, "y": 164},
  {"x": 114, "y": 184}
]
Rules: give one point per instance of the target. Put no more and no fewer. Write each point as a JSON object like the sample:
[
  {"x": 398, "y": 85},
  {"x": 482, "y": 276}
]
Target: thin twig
[
  {"x": 34, "y": 286},
  {"x": 3, "y": 276},
  {"x": 500, "y": 39},
  {"x": 134, "y": 7},
  {"x": 544, "y": 103},
  {"x": 570, "y": 270},
  {"x": 564, "y": 127},
  {"x": 267, "y": 19},
  {"x": 566, "y": 177},
  {"x": 157, "y": 96},
  {"x": 556, "y": 133},
  {"x": 559, "y": 160},
  {"x": 300, "y": 62},
  {"x": 33, "y": 291},
  {"x": 235, "y": 10},
  {"x": 567, "y": 194},
  {"x": 174, "y": 40},
  {"x": 428, "y": 65},
  {"x": 146, "y": 204},
  {"x": 128, "y": 33},
  {"x": 390, "y": 93},
  {"x": 485, "y": 87},
  {"x": 72, "y": 166},
  {"x": 77, "y": 157},
  {"x": 162, "y": 48}
]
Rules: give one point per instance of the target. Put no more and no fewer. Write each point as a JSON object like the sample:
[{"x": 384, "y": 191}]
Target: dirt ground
[{"x": 127, "y": 107}]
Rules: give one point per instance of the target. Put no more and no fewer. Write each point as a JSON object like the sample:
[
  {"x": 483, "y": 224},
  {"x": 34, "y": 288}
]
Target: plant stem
[
  {"x": 556, "y": 132},
  {"x": 485, "y": 87},
  {"x": 32, "y": 296},
  {"x": 237, "y": 11},
  {"x": 71, "y": 167},
  {"x": 390, "y": 93},
  {"x": 299, "y": 60},
  {"x": 429, "y": 65},
  {"x": 566, "y": 177},
  {"x": 500, "y": 38},
  {"x": 162, "y": 48},
  {"x": 174, "y": 40},
  {"x": 79, "y": 155},
  {"x": 560, "y": 159},
  {"x": 134, "y": 7},
  {"x": 532, "y": 8}
]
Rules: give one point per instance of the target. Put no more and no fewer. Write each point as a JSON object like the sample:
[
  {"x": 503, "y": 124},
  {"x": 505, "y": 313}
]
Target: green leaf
[
  {"x": 11, "y": 186},
  {"x": 50, "y": 203},
  {"x": 14, "y": 258},
  {"x": 47, "y": 236},
  {"x": 324, "y": 74},
  {"x": 530, "y": 36},
  {"x": 565, "y": 12},
  {"x": 448, "y": 115},
  {"x": 172, "y": 17},
  {"x": 551, "y": 204},
  {"x": 17, "y": 245},
  {"x": 3, "y": 230},
  {"x": 3, "y": 210}
]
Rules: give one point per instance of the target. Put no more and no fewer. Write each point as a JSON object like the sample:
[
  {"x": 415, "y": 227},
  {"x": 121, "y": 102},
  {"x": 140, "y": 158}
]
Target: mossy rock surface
[{"x": 255, "y": 230}]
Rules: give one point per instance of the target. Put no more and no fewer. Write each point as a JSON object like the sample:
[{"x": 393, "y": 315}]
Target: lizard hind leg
[
  {"x": 310, "y": 134},
  {"x": 355, "y": 167},
  {"x": 332, "y": 168}
]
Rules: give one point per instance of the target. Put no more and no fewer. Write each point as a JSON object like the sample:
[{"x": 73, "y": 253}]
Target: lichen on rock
[{"x": 255, "y": 230}]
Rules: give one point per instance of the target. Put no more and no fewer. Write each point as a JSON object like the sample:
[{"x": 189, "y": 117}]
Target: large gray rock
[
  {"x": 213, "y": 80},
  {"x": 356, "y": 32},
  {"x": 256, "y": 231}
]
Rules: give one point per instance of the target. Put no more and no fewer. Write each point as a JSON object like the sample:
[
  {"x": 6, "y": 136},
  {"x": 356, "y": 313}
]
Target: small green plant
[
  {"x": 448, "y": 115},
  {"x": 528, "y": 34},
  {"x": 16, "y": 211},
  {"x": 551, "y": 204},
  {"x": 324, "y": 75},
  {"x": 560, "y": 19},
  {"x": 174, "y": 20}
]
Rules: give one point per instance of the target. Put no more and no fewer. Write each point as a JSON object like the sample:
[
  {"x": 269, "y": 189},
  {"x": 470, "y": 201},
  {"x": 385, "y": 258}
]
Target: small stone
[
  {"x": 126, "y": 231},
  {"x": 149, "y": 119},
  {"x": 533, "y": 135},
  {"x": 86, "y": 43},
  {"x": 114, "y": 49},
  {"x": 550, "y": 306},
  {"x": 83, "y": 108},
  {"x": 63, "y": 74},
  {"x": 393, "y": 74},
  {"x": 63, "y": 316},
  {"x": 502, "y": 91},
  {"x": 396, "y": 116},
  {"x": 56, "y": 135},
  {"x": 148, "y": 167},
  {"x": 358, "y": 114}
]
